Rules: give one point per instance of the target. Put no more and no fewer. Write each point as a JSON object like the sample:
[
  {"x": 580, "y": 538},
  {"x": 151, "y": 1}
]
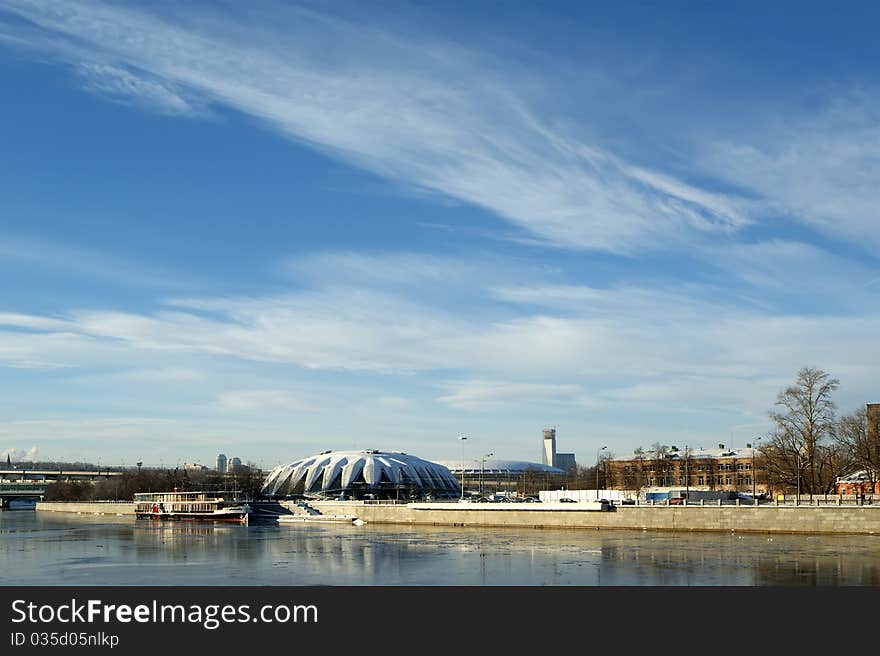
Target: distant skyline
[{"x": 272, "y": 229}]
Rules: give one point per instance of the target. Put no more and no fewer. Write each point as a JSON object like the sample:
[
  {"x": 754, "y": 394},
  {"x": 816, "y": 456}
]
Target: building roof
[
  {"x": 695, "y": 454},
  {"x": 856, "y": 477},
  {"x": 498, "y": 467},
  {"x": 340, "y": 471}
]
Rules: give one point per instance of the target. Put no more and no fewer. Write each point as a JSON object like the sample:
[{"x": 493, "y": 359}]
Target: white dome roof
[{"x": 355, "y": 473}]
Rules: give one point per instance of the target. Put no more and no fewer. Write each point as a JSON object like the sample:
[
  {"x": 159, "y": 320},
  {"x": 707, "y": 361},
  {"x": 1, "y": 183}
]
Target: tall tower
[
  {"x": 221, "y": 463},
  {"x": 548, "y": 452}
]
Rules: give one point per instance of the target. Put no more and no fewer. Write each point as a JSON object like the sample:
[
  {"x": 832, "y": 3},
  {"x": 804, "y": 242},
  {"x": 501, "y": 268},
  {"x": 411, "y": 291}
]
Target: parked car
[
  {"x": 627, "y": 502},
  {"x": 567, "y": 500}
]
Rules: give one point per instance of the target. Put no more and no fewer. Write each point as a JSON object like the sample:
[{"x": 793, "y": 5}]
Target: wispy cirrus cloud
[
  {"x": 574, "y": 343},
  {"x": 480, "y": 395},
  {"x": 98, "y": 429},
  {"x": 819, "y": 168},
  {"x": 428, "y": 114},
  {"x": 127, "y": 88},
  {"x": 261, "y": 400},
  {"x": 19, "y": 252}
]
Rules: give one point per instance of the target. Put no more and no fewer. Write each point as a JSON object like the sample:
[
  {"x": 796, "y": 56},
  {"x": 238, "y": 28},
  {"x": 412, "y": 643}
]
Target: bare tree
[
  {"x": 804, "y": 421},
  {"x": 638, "y": 480},
  {"x": 832, "y": 461},
  {"x": 609, "y": 480},
  {"x": 861, "y": 443}
]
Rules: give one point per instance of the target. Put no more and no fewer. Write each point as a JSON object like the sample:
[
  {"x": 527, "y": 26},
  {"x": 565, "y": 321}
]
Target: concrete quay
[
  {"x": 861, "y": 520},
  {"x": 88, "y": 507},
  {"x": 855, "y": 520}
]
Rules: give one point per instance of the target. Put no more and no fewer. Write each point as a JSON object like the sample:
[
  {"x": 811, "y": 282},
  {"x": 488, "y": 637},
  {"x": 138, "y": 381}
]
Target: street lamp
[
  {"x": 687, "y": 477},
  {"x": 754, "y": 471},
  {"x": 462, "y": 439},
  {"x": 482, "y": 465},
  {"x": 598, "y": 453}
]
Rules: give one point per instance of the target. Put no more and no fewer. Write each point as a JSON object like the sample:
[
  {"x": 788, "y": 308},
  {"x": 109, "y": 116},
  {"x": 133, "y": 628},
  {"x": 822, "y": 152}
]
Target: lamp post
[
  {"x": 598, "y": 453},
  {"x": 462, "y": 439},
  {"x": 754, "y": 471},
  {"x": 687, "y": 477},
  {"x": 797, "y": 457},
  {"x": 482, "y": 466}
]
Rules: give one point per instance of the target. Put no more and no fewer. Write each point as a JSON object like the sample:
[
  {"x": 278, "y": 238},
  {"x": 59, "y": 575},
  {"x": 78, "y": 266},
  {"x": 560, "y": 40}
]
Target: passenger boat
[{"x": 191, "y": 506}]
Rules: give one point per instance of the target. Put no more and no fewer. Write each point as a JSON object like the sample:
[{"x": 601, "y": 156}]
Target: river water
[{"x": 59, "y": 549}]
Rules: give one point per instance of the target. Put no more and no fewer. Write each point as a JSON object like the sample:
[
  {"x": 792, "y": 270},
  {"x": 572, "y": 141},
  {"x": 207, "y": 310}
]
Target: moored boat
[{"x": 192, "y": 506}]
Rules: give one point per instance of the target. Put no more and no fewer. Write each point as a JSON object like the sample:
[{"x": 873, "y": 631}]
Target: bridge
[
  {"x": 41, "y": 475},
  {"x": 10, "y": 490}
]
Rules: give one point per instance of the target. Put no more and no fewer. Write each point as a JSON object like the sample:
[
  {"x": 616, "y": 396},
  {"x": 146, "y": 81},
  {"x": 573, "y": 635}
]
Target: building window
[
  {"x": 748, "y": 480},
  {"x": 739, "y": 468},
  {"x": 748, "y": 467},
  {"x": 727, "y": 467},
  {"x": 700, "y": 467},
  {"x": 700, "y": 481},
  {"x": 728, "y": 480}
]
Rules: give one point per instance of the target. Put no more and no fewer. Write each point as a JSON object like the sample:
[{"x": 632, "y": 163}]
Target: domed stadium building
[
  {"x": 369, "y": 474},
  {"x": 494, "y": 476}
]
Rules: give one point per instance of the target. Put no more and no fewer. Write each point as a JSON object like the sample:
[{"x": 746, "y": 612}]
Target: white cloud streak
[
  {"x": 575, "y": 342},
  {"x": 122, "y": 86},
  {"x": 821, "y": 169},
  {"x": 17, "y": 252},
  {"x": 481, "y": 395},
  {"x": 261, "y": 400},
  {"x": 426, "y": 114}
]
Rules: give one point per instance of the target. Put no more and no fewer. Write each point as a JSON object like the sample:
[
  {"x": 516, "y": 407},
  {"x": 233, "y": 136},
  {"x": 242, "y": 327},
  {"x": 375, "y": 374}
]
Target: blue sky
[{"x": 278, "y": 229}]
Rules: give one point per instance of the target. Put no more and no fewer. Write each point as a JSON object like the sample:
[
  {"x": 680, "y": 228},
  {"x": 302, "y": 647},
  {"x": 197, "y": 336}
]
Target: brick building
[{"x": 733, "y": 470}]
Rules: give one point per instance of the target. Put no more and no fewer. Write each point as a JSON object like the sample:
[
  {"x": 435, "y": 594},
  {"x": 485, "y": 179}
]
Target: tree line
[
  {"x": 810, "y": 446},
  {"x": 245, "y": 480}
]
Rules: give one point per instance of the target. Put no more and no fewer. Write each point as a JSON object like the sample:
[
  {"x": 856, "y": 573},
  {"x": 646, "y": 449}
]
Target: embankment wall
[
  {"x": 751, "y": 519},
  {"x": 88, "y": 507},
  {"x": 863, "y": 520}
]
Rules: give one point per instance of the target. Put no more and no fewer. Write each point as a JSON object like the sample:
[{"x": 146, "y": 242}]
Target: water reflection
[{"x": 51, "y": 548}]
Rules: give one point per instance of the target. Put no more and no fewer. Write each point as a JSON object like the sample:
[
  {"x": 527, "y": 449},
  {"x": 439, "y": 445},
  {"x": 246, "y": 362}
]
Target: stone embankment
[
  {"x": 746, "y": 519},
  {"x": 863, "y": 520},
  {"x": 88, "y": 507}
]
